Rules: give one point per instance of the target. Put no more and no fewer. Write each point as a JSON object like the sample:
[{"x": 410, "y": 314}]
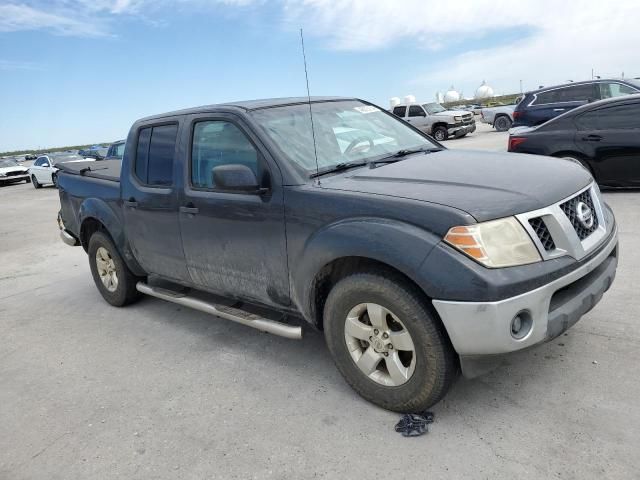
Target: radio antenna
[{"x": 313, "y": 131}]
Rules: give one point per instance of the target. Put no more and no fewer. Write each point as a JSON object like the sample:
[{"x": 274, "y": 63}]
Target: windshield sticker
[{"x": 366, "y": 109}]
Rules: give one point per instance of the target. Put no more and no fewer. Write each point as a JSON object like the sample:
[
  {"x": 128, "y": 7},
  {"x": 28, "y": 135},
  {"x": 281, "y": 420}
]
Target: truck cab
[{"x": 435, "y": 120}]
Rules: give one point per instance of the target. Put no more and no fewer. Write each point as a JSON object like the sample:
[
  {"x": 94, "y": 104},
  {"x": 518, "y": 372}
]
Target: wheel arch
[
  {"x": 578, "y": 156},
  {"x": 96, "y": 215},
  {"x": 351, "y": 246}
]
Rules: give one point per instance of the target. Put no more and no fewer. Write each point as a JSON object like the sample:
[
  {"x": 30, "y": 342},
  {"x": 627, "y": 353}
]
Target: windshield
[
  {"x": 8, "y": 163},
  {"x": 345, "y": 131},
  {"x": 68, "y": 157},
  {"x": 433, "y": 108}
]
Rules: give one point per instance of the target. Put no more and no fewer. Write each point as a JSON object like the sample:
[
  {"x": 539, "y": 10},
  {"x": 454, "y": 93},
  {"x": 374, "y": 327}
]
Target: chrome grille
[
  {"x": 570, "y": 210},
  {"x": 541, "y": 230}
]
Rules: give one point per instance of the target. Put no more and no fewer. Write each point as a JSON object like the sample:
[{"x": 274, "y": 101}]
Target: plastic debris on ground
[{"x": 414, "y": 424}]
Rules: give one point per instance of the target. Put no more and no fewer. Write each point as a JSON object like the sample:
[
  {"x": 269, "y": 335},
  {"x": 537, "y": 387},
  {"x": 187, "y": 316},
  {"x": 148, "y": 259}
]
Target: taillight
[
  {"x": 517, "y": 114},
  {"x": 514, "y": 142}
]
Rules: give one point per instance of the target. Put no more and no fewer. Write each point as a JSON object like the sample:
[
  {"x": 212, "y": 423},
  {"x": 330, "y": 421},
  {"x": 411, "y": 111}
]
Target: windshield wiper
[{"x": 338, "y": 167}]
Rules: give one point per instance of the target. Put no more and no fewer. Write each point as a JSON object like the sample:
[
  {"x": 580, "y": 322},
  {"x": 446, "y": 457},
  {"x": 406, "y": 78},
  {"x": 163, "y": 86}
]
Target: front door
[
  {"x": 611, "y": 136},
  {"x": 234, "y": 242},
  {"x": 151, "y": 202}
]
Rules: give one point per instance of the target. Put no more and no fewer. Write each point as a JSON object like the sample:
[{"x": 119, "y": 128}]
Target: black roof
[{"x": 249, "y": 105}]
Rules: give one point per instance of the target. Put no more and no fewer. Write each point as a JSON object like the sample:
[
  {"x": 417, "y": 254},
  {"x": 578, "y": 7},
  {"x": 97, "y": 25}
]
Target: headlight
[
  {"x": 498, "y": 243},
  {"x": 457, "y": 119}
]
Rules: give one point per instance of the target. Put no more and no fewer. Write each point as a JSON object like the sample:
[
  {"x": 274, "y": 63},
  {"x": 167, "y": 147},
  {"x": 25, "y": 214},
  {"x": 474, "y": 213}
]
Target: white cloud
[
  {"x": 561, "y": 39},
  {"x": 15, "y": 17}
]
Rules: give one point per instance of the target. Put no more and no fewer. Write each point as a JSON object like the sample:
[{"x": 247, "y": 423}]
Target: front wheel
[
  {"x": 440, "y": 133},
  {"x": 27, "y": 180},
  {"x": 114, "y": 280},
  {"x": 387, "y": 343},
  {"x": 34, "y": 181},
  {"x": 54, "y": 180}
]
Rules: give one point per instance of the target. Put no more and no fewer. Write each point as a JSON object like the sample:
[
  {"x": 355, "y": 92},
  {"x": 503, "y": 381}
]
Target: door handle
[
  {"x": 592, "y": 138},
  {"x": 558, "y": 109},
  {"x": 131, "y": 203},
  {"x": 189, "y": 209}
]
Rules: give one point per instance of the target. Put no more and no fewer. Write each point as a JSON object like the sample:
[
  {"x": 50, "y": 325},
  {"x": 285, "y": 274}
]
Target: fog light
[{"x": 521, "y": 325}]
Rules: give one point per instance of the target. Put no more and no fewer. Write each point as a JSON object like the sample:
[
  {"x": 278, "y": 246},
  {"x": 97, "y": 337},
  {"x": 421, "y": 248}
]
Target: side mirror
[
  {"x": 236, "y": 178},
  {"x": 46, "y": 165}
]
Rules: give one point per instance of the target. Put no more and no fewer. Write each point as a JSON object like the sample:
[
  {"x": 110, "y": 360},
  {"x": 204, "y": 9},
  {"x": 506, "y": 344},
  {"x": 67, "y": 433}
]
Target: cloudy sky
[{"x": 80, "y": 71}]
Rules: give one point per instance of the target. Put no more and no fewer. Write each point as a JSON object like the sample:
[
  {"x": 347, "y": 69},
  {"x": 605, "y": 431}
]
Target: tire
[
  {"x": 54, "y": 180},
  {"x": 27, "y": 180},
  {"x": 502, "y": 123},
  {"x": 440, "y": 134},
  {"x": 435, "y": 364},
  {"x": 34, "y": 180},
  {"x": 124, "y": 291}
]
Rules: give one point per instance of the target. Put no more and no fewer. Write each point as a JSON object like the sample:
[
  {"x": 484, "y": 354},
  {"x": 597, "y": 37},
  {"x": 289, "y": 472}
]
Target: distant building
[
  {"x": 452, "y": 95},
  {"x": 483, "y": 92}
]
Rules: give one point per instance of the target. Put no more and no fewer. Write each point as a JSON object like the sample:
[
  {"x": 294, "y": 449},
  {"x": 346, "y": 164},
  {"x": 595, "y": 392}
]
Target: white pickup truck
[
  {"x": 435, "y": 120},
  {"x": 500, "y": 118}
]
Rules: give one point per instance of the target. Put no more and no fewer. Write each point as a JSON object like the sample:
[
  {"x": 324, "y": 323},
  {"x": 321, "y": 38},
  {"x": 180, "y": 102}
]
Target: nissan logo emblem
[{"x": 584, "y": 214}]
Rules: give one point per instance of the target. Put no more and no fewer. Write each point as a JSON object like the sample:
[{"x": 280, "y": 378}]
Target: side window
[
  {"x": 400, "y": 111},
  {"x": 119, "y": 150},
  {"x": 577, "y": 93},
  {"x": 609, "y": 90},
  {"x": 618, "y": 117},
  {"x": 216, "y": 143},
  {"x": 416, "y": 111},
  {"x": 154, "y": 155},
  {"x": 38, "y": 162}
]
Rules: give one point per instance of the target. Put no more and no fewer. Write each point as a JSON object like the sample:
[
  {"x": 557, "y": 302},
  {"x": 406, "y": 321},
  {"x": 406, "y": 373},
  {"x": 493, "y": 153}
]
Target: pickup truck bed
[{"x": 105, "y": 169}]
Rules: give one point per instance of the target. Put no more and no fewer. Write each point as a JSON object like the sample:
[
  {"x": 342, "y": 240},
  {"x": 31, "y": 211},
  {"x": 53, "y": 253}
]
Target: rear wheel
[
  {"x": 387, "y": 343},
  {"x": 34, "y": 180},
  {"x": 502, "y": 123},
  {"x": 440, "y": 133},
  {"x": 114, "y": 280},
  {"x": 580, "y": 162}
]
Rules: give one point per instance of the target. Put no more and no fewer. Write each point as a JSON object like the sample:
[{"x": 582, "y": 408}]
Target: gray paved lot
[{"x": 88, "y": 391}]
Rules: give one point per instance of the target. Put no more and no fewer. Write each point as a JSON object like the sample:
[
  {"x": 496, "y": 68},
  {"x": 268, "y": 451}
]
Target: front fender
[{"x": 400, "y": 245}]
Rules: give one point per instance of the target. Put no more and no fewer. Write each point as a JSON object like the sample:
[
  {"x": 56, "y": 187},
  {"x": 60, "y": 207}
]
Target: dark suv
[{"x": 546, "y": 103}]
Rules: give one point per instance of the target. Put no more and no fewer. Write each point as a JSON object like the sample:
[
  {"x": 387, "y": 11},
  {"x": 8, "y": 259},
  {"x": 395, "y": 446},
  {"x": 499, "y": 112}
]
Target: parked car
[
  {"x": 546, "y": 103},
  {"x": 45, "y": 169},
  {"x": 97, "y": 153},
  {"x": 435, "y": 120},
  {"x": 116, "y": 150},
  {"x": 603, "y": 136},
  {"x": 30, "y": 156},
  {"x": 500, "y": 118},
  {"x": 12, "y": 172},
  {"x": 413, "y": 259}
]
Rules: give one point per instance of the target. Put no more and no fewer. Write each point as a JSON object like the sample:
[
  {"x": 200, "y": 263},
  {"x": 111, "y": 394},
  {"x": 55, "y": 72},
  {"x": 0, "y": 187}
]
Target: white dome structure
[
  {"x": 484, "y": 91},
  {"x": 394, "y": 101},
  {"x": 408, "y": 99},
  {"x": 451, "y": 96}
]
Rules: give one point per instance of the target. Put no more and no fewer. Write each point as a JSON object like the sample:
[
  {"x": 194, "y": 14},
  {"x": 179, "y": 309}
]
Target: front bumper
[
  {"x": 485, "y": 328},
  {"x": 14, "y": 178},
  {"x": 461, "y": 130}
]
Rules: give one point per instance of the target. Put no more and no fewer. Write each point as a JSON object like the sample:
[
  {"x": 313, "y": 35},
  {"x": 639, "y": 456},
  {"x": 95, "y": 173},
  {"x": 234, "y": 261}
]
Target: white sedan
[
  {"x": 11, "y": 172},
  {"x": 44, "y": 170}
]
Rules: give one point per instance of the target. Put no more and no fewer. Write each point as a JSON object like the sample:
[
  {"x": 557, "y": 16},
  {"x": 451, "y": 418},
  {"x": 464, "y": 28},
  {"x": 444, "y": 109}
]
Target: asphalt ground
[{"x": 155, "y": 391}]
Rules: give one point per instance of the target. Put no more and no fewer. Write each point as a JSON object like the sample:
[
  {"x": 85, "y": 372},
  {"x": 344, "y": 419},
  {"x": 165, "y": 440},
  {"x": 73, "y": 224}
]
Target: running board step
[{"x": 228, "y": 313}]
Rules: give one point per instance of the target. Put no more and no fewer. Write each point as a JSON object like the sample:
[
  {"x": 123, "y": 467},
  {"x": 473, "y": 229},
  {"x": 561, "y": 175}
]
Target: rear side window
[
  {"x": 119, "y": 150},
  {"x": 416, "y": 111},
  {"x": 577, "y": 93},
  {"x": 154, "y": 155},
  {"x": 399, "y": 111},
  {"x": 611, "y": 118}
]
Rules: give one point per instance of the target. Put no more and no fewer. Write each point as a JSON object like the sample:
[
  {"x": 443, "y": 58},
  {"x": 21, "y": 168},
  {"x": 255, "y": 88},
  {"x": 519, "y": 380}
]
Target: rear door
[
  {"x": 150, "y": 201},
  {"x": 611, "y": 137},
  {"x": 234, "y": 242}
]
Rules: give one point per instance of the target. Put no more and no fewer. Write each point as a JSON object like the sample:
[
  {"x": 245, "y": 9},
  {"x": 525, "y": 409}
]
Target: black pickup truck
[{"x": 414, "y": 260}]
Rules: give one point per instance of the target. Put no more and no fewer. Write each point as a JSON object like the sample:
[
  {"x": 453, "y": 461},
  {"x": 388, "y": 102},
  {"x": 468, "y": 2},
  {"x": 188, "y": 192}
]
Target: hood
[
  {"x": 447, "y": 113},
  {"x": 487, "y": 185},
  {"x": 13, "y": 169}
]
